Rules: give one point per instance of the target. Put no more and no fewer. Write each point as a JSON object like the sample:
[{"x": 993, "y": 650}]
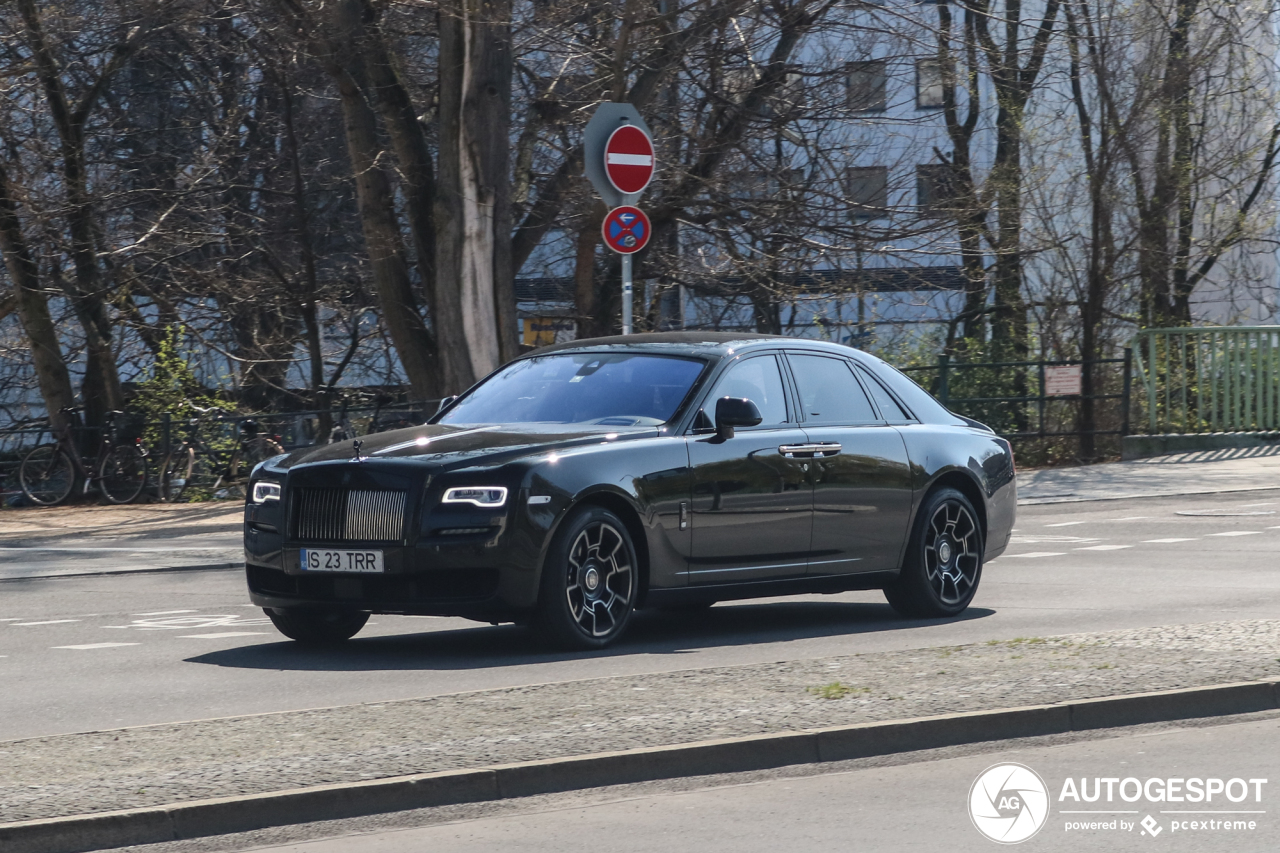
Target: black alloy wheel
[
  {"x": 316, "y": 626},
  {"x": 944, "y": 559},
  {"x": 589, "y": 581}
]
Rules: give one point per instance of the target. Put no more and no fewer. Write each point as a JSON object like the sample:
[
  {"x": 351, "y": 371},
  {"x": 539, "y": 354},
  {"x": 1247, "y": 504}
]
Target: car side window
[
  {"x": 758, "y": 380},
  {"x": 829, "y": 392},
  {"x": 889, "y": 407}
]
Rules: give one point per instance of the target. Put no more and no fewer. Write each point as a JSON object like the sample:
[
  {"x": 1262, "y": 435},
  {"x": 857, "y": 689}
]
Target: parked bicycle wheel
[
  {"x": 123, "y": 474},
  {"x": 47, "y": 475},
  {"x": 175, "y": 473},
  {"x": 249, "y": 454}
]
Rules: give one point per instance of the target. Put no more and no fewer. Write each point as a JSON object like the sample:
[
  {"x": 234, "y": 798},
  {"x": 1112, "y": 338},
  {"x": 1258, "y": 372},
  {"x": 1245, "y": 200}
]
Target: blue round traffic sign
[{"x": 626, "y": 229}]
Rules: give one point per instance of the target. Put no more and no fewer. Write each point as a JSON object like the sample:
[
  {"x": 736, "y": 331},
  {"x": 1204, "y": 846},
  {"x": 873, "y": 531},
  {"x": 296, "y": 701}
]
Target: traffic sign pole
[
  {"x": 626, "y": 294},
  {"x": 620, "y": 162}
]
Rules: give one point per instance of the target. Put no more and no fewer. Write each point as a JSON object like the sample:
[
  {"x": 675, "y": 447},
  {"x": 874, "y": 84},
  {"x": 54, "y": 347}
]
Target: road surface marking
[
  {"x": 225, "y": 634},
  {"x": 13, "y": 619},
  {"x": 1038, "y": 554},
  {"x": 1133, "y": 518},
  {"x": 1237, "y": 533},
  {"x": 1066, "y": 523},
  {"x": 47, "y": 622},
  {"x": 1105, "y": 548},
  {"x": 1169, "y": 540},
  {"x": 165, "y": 612},
  {"x": 85, "y": 646},
  {"x": 1264, "y": 503}
]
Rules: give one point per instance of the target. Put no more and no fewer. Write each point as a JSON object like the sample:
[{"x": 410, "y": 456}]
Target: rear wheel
[
  {"x": 589, "y": 581},
  {"x": 175, "y": 473},
  {"x": 944, "y": 559},
  {"x": 47, "y": 475},
  {"x": 316, "y": 626},
  {"x": 123, "y": 474}
]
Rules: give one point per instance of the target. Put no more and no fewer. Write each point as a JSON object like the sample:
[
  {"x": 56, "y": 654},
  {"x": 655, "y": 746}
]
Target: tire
[
  {"x": 589, "y": 581},
  {"x": 175, "y": 473},
  {"x": 944, "y": 559},
  {"x": 316, "y": 627},
  {"x": 47, "y": 475},
  {"x": 123, "y": 474}
]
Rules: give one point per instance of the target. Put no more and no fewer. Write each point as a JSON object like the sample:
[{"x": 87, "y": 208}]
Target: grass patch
[{"x": 836, "y": 690}]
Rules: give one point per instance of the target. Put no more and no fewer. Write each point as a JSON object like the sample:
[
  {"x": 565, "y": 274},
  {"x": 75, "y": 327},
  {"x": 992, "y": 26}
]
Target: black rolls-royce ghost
[{"x": 583, "y": 481}]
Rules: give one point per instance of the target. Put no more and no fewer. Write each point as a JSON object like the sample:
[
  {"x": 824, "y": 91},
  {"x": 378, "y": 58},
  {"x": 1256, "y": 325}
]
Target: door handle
[
  {"x": 792, "y": 451},
  {"x": 808, "y": 451}
]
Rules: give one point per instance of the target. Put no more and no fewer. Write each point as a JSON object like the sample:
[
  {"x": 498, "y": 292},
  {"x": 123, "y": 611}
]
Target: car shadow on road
[{"x": 650, "y": 633}]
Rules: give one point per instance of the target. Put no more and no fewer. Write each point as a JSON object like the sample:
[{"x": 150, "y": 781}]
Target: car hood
[{"x": 451, "y": 445}]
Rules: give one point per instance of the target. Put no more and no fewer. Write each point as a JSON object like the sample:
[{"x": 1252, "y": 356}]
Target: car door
[
  {"x": 861, "y": 474},
  {"x": 752, "y": 502}
]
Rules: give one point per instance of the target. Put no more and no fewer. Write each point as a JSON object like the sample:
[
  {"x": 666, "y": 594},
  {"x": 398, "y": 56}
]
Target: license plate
[{"x": 340, "y": 560}]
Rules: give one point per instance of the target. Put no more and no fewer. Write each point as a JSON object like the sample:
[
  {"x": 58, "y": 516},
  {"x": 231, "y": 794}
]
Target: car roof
[{"x": 691, "y": 343}]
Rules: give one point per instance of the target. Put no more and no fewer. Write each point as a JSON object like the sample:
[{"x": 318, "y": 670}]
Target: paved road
[
  {"x": 90, "y": 653},
  {"x": 910, "y": 806}
]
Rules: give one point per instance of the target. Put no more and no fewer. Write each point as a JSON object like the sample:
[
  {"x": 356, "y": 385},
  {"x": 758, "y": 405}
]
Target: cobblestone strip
[{"x": 155, "y": 765}]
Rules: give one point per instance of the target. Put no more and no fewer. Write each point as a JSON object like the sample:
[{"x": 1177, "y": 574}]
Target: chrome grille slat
[{"x": 348, "y": 515}]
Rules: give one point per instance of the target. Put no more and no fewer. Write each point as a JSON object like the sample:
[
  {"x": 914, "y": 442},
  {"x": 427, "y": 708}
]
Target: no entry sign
[
  {"x": 626, "y": 230},
  {"x": 628, "y": 159}
]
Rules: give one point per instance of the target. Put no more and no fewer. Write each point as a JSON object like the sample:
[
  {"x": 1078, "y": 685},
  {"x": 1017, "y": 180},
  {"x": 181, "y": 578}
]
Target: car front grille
[{"x": 347, "y": 515}]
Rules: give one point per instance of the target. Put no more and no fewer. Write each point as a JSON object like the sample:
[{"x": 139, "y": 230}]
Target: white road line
[
  {"x": 224, "y": 634},
  {"x": 1264, "y": 503},
  {"x": 13, "y": 619},
  {"x": 164, "y": 612},
  {"x": 86, "y": 646},
  {"x": 1170, "y": 540},
  {"x": 1066, "y": 523},
  {"x": 1237, "y": 533},
  {"x": 46, "y": 622},
  {"x": 1105, "y": 548},
  {"x": 1133, "y": 518},
  {"x": 1037, "y": 554}
]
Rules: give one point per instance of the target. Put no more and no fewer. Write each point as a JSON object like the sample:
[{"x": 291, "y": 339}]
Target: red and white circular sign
[{"x": 628, "y": 159}]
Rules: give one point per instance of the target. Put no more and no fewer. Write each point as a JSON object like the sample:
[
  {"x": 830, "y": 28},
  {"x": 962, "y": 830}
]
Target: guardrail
[{"x": 1210, "y": 379}]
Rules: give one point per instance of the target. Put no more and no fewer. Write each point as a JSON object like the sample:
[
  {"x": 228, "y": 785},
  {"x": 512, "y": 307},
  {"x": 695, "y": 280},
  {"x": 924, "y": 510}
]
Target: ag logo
[{"x": 1008, "y": 803}]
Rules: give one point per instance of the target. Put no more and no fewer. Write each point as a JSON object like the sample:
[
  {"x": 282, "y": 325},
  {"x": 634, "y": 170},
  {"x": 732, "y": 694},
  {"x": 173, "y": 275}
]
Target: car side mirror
[
  {"x": 445, "y": 403},
  {"x": 735, "y": 412}
]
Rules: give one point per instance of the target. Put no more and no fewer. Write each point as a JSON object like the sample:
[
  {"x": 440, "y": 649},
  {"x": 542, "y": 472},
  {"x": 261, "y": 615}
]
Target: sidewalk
[
  {"x": 181, "y": 762},
  {"x": 1199, "y": 472},
  {"x": 76, "y": 540}
]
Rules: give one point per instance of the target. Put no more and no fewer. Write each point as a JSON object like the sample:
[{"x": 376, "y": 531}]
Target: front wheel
[
  {"x": 316, "y": 626},
  {"x": 47, "y": 475},
  {"x": 123, "y": 474},
  {"x": 175, "y": 473},
  {"x": 944, "y": 559},
  {"x": 589, "y": 581}
]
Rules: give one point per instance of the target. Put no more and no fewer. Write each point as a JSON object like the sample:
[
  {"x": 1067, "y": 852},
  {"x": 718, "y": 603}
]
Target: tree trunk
[
  {"x": 473, "y": 202},
  {"x": 376, "y": 203},
  {"x": 33, "y": 310}
]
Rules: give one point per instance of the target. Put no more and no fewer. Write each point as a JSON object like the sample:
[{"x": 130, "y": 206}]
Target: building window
[
  {"x": 935, "y": 189},
  {"x": 866, "y": 84},
  {"x": 868, "y": 192},
  {"x": 929, "y": 79}
]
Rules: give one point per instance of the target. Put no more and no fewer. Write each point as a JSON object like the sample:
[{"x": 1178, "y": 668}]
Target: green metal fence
[{"x": 1197, "y": 380}]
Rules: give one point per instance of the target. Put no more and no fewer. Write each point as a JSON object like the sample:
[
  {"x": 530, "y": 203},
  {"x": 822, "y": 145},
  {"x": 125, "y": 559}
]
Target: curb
[
  {"x": 80, "y": 833},
  {"x": 201, "y": 566}
]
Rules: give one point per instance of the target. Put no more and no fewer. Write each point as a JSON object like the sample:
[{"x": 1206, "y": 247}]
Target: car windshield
[{"x": 617, "y": 389}]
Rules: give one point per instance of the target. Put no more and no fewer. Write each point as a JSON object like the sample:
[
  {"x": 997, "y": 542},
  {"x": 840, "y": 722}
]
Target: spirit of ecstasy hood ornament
[{"x": 356, "y": 447}]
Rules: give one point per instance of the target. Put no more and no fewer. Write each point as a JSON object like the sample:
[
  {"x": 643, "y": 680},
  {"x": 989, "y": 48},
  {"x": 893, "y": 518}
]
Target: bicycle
[
  {"x": 344, "y": 429},
  {"x": 49, "y": 473},
  {"x": 200, "y": 469}
]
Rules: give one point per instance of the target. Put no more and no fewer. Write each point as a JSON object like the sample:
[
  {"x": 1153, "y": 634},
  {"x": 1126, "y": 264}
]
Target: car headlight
[
  {"x": 488, "y": 497},
  {"x": 265, "y": 490}
]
